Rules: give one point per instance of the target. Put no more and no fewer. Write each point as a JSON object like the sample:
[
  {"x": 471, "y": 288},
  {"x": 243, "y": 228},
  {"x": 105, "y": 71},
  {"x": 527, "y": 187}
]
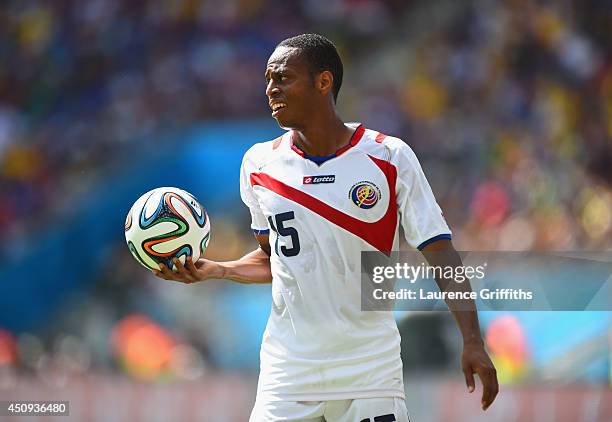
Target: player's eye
[{"x": 276, "y": 77}]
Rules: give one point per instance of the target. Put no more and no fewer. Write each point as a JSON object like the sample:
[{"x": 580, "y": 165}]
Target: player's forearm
[
  {"x": 463, "y": 309},
  {"x": 254, "y": 267},
  {"x": 466, "y": 316}
]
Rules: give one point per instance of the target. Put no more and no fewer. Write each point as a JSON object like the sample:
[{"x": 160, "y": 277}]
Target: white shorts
[{"x": 384, "y": 409}]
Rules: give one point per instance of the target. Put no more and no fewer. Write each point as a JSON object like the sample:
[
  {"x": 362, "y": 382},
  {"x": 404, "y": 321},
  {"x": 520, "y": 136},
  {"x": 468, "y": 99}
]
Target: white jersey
[{"x": 318, "y": 344}]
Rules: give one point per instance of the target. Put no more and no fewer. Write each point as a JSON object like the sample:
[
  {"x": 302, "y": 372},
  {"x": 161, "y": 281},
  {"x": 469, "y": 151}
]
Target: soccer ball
[{"x": 166, "y": 223}]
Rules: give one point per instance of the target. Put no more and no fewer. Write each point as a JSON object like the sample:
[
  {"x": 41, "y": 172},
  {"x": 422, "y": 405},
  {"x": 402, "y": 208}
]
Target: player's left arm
[{"x": 474, "y": 358}]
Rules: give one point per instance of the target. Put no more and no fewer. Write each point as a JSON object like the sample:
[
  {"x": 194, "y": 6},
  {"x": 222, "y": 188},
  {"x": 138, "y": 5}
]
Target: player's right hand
[{"x": 190, "y": 272}]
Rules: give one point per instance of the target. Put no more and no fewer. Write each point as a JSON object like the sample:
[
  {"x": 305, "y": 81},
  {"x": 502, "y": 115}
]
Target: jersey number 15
[{"x": 281, "y": 230}]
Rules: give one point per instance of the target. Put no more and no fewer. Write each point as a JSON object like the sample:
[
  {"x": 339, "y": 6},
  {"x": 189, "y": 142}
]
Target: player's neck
[{"x": 323, "y": 137}]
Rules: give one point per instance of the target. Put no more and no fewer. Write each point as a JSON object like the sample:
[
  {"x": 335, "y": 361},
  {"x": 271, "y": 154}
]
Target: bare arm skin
[
  {"x": 253, "y": 268},
  {"x": 474, "y": 358}
]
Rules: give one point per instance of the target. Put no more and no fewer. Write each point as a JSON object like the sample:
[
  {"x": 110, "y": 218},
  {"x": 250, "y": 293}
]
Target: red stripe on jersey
[
  {"x": 357, "y": 135},
  {"x": 380, "y": 137},
  {"x": 296, "y": 149},
  {"x": 355, "y": 138},
  {"x": 379, "y": 234},
  {"x": 292, "y": 136}
]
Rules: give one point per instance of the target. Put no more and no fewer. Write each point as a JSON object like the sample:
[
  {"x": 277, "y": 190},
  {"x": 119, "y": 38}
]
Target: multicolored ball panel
[{"x": 171, "y": 223}]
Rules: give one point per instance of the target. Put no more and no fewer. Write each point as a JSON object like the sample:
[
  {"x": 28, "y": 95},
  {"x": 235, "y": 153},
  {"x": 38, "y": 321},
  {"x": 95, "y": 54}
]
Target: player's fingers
[
  {"x": 168, "y": 274},
  {"x": 158, "y": 274},
  {"x": 180, "y": 268},
  {"x": 490, "y": 386},
  {"x": 185, "y": 275},
  {"x": 469, "y": 378},
  {"x": 191, "y": 267},
  {"x": 165, "y": 271}
]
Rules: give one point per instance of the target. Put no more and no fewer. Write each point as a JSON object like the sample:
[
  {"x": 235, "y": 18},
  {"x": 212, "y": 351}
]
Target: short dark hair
[{"x": 320, "y": 54}]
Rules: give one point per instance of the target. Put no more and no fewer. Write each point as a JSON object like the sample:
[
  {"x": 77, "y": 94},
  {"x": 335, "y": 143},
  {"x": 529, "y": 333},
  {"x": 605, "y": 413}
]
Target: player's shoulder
[
  {"x": 262, "y": 151},
  {"x": 392, "y": 147},
  {"x": 262, "y": 148}
]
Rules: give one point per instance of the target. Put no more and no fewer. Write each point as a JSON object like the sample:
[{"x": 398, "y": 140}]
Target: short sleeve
[
  {"x": 420, "y": 215},
  {"x": 259, "y": 224}
]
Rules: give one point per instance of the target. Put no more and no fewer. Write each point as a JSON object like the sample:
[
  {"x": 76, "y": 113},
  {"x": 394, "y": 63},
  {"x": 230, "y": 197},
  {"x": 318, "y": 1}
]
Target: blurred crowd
[{"x": 508, "y": 104}]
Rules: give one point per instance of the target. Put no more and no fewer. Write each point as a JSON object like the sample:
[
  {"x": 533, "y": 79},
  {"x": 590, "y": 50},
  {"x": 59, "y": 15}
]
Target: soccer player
[{"x": 318, "y": 196}]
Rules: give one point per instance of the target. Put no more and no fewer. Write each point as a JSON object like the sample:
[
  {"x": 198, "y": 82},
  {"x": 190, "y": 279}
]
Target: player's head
[{"x": 305, "y": 73}]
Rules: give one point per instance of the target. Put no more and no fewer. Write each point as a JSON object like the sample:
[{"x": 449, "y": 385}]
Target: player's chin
[{"x": 285, "y": 121}]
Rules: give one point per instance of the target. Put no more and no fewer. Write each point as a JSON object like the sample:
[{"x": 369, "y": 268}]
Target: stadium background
[{"x": 508, "y": 105}]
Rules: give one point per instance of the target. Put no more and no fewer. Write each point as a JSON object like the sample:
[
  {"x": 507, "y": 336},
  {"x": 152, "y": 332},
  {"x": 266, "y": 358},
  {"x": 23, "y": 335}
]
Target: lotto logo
[{"x": 313, "y": 180}]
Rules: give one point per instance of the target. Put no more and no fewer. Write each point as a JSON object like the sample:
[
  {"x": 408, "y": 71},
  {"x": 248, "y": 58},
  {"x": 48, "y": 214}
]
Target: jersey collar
[{"x": 355, "y": 138}]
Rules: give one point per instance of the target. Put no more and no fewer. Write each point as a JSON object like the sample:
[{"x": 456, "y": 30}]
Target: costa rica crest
[{"x": 364, "y": 194}]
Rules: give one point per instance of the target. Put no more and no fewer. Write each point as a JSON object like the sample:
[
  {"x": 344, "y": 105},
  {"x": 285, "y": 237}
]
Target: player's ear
[{"x": 325, "y": 82}]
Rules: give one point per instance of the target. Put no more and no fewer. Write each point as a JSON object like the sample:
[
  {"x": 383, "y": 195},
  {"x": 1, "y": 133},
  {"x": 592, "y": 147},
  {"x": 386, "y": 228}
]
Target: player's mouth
[{"x": 277, "y": 107}]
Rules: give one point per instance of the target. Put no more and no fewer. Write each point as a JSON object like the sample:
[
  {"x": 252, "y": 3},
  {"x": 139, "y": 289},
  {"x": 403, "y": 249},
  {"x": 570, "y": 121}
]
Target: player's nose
[{"x": 272, "y": 89}]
